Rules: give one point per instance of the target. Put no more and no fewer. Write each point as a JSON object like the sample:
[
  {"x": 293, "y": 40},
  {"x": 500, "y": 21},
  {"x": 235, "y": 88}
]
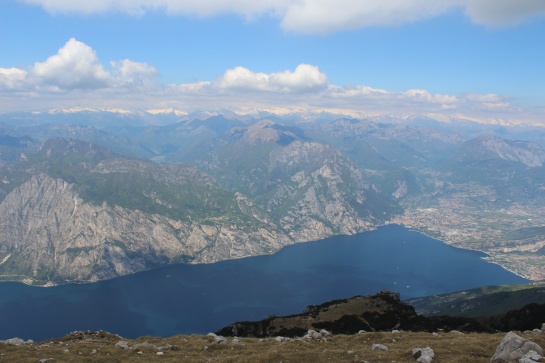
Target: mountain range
[{"x": 89, "y": 195}]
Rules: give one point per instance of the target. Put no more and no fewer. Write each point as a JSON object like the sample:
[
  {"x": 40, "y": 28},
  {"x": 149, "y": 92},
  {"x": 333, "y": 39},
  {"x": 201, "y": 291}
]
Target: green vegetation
[{"x": 483, "y": 301}]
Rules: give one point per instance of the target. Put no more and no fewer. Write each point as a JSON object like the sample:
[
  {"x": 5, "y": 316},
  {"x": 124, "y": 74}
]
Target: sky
[{"x": 475, "y": 59}]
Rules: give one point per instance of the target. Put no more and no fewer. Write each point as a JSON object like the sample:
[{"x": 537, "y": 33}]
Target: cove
[{"x": 187, "y": 299}]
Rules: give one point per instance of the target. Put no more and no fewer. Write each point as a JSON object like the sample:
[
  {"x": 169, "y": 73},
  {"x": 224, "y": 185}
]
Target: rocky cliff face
[
  {"x": 50, "y": 235},
  {"x": 315, "y": 192}
]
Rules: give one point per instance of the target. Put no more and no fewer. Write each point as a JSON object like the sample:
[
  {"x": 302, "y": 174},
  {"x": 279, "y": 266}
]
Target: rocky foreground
[{"x": 395, "y": 346}]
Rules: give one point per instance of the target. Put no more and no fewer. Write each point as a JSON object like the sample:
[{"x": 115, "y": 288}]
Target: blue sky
[{"x": 478, "y": 59}]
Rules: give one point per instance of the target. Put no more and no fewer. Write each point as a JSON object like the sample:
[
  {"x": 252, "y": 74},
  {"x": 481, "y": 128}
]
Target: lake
[{"x": 203, "y": 298}]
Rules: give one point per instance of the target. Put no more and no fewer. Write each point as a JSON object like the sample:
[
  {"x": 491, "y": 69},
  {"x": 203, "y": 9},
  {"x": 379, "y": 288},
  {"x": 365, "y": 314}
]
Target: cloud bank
[
  {"x": 75, "y": 76},
  {"x": 318, "y": 16},
  {"x": 305, "y": 78}
]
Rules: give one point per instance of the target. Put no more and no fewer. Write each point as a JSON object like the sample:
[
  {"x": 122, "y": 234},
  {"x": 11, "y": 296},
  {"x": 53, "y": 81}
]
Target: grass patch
[{"x": 100, "y": 347}]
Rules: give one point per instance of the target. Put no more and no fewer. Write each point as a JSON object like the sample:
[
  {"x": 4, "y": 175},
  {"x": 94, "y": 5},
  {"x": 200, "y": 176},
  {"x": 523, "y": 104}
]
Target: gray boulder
[
  {"x": 379, "y": 347},
  {"x": 122, "y": 344},
  {"x": 513, "y": 347},
  {"x": 423, "y": 355},
  {"x": 312, "y": 335},
  {"x": 324, "y": 333},
  {"x": 218, "y": 339}
]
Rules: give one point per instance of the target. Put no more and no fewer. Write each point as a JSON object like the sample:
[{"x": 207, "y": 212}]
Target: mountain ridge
[{"x": 84, "y": 213}]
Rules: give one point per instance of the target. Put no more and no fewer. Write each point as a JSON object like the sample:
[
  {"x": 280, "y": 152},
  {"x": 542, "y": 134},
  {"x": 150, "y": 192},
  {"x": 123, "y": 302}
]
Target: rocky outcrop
[
  {"x": 380, "y": 312},
  {"x": 383, "y": 311},
  {"x": 513, "y": 347},
  {"x": 16, "y": 341}
]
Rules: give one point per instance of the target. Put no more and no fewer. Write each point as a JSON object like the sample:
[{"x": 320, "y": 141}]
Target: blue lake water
[{"x": 203, "y": 298}]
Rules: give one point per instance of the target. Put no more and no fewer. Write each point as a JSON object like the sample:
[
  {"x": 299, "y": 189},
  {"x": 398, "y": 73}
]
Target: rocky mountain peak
[{"x": 267, "y": 131}]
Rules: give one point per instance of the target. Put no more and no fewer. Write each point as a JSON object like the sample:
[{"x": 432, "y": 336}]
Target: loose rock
[
  {"x": 122, "y": 344},
  {"x": 379, "y": 347},
  {"x": 282, "y": 339},
  {"x": 423, "y": 355},
  {"x": 513, "y": 348},
  {"x": 16, "y": 341},
  {"x": 312, "y": 335},
  {"x": 218, "y": 339},
  {"x": 531, "y": 357},
  {"x": 324, "y": 333}
]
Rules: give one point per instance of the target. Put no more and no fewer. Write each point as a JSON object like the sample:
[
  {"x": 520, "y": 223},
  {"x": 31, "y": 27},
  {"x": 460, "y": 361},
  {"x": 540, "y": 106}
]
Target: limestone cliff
[{"x": 50, "y": 235}]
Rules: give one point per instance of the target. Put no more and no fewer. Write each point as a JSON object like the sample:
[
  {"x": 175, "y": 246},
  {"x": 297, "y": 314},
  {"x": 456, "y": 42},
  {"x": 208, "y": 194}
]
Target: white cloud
[
  {"x": 305, "y": 78},
  {"x": 420, "y": 95},
  {"x": 243, "y": 78},
  {"x": 12, "y": 78},
  {"x": 323, "y": 16},
  {"x": 134, "y": 74},
  {"x": 75, "y": 66},
  {"x": 490, "y": 98},
  {"x": 319, "y": 16}
]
